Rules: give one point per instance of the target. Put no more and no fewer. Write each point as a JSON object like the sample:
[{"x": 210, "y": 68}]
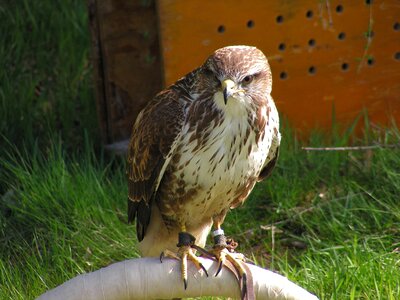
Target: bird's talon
[
  {"x": 244, "y": 285},
  {"x": 233, "y": 261},
  {"x": 219, "y": 268},
  {"x": 185, "y": 283},
  {"x": 221, "y": 257},
  {"x": 204, "y": 269},
  {"x": 185, "y": 253}
]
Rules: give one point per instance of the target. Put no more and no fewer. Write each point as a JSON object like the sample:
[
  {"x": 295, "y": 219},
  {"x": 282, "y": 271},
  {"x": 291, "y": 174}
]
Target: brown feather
[
  {"x": 193, "y": 155},
  {"x": 267, "y": 170},
  {"x": 152, "y": 138}
]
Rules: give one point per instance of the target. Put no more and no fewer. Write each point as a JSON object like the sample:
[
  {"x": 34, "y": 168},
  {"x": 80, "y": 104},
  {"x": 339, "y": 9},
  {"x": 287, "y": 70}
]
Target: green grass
[
  {"x": 45, "y": 76},
  {"x": 59, "y": 217},
  {"x": 336, "y": 218}
]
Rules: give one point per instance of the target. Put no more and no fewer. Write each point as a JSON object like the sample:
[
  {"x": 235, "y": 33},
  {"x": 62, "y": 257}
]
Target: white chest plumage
[{"x": 229, "y": 160}]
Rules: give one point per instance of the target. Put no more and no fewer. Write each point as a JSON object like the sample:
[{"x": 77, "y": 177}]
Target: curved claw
[
  {"x": 221, "y": 258},
  {"x": 219, "y": 268},
  {"x": 244, "y": 285},
  {"x": 184, "y": 268},
  {"x": 233, "y": 261},
  {"x": 204, "y": 269},
  {"x": 184, "y": 254}
]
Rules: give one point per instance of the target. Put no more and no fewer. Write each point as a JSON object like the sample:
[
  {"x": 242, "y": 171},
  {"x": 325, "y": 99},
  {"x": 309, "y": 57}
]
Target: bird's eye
[{"x": 248, "y": 79}]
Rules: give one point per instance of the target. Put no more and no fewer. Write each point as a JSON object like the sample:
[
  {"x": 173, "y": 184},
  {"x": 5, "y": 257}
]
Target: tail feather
[{"x": 140, "y": 211}]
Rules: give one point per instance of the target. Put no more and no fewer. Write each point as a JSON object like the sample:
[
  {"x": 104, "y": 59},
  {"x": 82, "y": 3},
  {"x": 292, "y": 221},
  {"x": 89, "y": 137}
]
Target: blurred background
[{"x": 74, "y": 75}]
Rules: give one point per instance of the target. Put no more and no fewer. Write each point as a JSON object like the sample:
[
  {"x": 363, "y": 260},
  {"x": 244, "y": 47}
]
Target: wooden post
[{"x": 126, "y": 62}]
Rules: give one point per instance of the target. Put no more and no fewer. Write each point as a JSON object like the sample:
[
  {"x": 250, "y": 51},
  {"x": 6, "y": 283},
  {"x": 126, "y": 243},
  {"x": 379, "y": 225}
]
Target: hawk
[{"x": 197, "y": 150}]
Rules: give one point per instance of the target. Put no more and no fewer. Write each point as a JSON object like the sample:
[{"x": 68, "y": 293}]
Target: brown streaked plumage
[{"x": 200, "y": 146}]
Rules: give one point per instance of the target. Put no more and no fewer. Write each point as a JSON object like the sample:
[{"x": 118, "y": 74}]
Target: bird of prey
[{"x": 197, "y": 150}]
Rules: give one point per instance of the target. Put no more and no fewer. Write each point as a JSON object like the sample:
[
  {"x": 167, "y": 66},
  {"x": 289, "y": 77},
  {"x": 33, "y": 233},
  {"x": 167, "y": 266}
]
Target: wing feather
[
  {"x": 267, "y": 170},
  {"x": 153, "y": 140},
  {"x": 272, "y": 157}
]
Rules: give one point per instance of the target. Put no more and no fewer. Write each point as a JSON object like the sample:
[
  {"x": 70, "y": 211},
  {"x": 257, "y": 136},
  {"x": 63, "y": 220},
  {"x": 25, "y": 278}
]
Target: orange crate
[{"x": 323, "y": 54}]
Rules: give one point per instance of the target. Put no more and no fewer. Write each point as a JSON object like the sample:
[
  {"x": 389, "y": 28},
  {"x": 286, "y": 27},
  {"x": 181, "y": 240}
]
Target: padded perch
[{"x": 147, "y": 278}]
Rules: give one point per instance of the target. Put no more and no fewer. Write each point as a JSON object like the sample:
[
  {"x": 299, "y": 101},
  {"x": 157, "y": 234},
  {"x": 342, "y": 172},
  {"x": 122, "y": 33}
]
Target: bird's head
[{"x": 238, "y": 72}]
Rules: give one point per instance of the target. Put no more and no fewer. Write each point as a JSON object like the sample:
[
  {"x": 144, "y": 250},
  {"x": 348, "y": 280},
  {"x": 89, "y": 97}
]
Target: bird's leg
[
  {"x": 224, "y": 252},
  {"x": 185, "y": 252}
]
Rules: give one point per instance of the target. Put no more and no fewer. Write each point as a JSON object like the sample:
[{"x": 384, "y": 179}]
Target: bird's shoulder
[{"x": 154, "y": 133}]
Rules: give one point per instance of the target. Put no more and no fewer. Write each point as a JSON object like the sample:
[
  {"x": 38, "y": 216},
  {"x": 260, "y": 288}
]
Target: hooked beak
[{"x": 228, "y": 89}]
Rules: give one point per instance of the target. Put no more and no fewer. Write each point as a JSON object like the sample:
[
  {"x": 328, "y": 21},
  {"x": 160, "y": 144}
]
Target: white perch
[{"x": 147, "y": 278}]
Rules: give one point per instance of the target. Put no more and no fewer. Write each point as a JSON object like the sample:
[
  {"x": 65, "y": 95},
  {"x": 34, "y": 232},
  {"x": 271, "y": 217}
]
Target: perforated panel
[{"x": 323, "y": 54}]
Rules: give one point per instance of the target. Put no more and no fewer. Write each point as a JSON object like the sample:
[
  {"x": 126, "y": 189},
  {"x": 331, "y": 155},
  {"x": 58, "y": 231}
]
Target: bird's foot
[
  {"x": 223, "y": 251},
  {"x": 185, "y": 253}
]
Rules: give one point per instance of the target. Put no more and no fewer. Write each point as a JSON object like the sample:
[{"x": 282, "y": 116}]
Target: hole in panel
[
  {"x": 309, "y": 14},
  {"x": 283, "y": 75},
  {"x": 221, "y": 28},
  {"x": 339, "y": 9},
  {"x": 396, "y": 26},
  {"x": 370, "y": 61},
  {"x": 345, "y": 66},
  {"x": 397, "y": 56},
  {"x": 250, "y": 24},
  {"x": 282, "y": 46},
  {"x": 341, "y": 36},
  {"x": 279, "y": 19},
  {"x": 312, "y": 70},
  {"x": 311, "y": 43}
]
